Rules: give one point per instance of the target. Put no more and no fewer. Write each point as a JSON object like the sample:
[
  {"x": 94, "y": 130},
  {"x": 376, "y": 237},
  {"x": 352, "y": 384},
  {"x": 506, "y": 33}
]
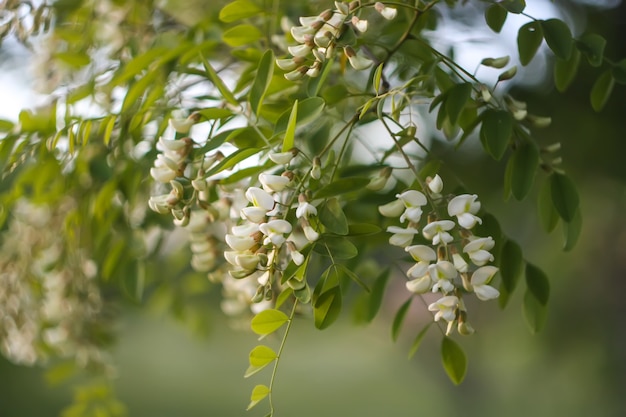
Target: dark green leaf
[
  {"x": 524, "y": 163},
  {"x": 268, "y": 321},
  {"x": 511, "y": 262},
  {"x": 327, "y": 307},
  {"x": 219, "y": 84},
  {"x": 363, "y": 229},
  {"x": 548, "y": 215},
  {"x": 565, "y": 70},
  {"x": 399, "y": 319},
  {"x": 529, "y": 39},
  {"x": 238, "y": 10},
  {"x": 558, "y": 37},
  {"x": 456, "y": 99},
  {"x": 534, "y": 312},
  {"x": 215, "y": 113},
  {"x": 337, "y": 247},
  {"x": 261, "y": 81},
  {"x": 342, "y": 186},
  {"x": 241, "y": 35},
  {"x": 454, "y": 360},
  {"x": 375, "y": 298},
  {"x": 592, "y": 46},
  {"x": 564, "y": 196},
  {"x": 571, "y": 231},
  {"x": 601, "y": 90},
  {"x": 495, "y": 16},
  {"x": 333, "y": 218},
  {"x": 418, "y": 340},
  {"x": 537, "y": 283},
  {"x": 309, "y": 110},
  {"x": 513, "y": 6},
  {"x": 496, "y": 131},
  {"x": 619, "y": 72}
]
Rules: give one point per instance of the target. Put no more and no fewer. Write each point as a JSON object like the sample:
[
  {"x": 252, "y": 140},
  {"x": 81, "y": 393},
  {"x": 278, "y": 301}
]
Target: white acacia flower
[
  {"x": 438, "y": 231},
  {"x": 419, "y": 285},
  {"x": 296, "y": 74},
  {"x": 401, "y": 237},
  {"x": 465, "y": 207},
  {"x": 413, "y": 201},
  {"x": 480, "y": 278},
  {"x": 359, "y": 24},
  {"x": 316, "y": 169},
  {"x": 392, "y": 209},
  {"x": 239, "y": 243},
  {"x": 273, "y": 183},
  {"x": 359, "y": 62},
  {"x": 445, "y": 308},
  {"x": 423, "y": 255},
  {"x": 282, "y": 158},
  {"x": 274, "y": 230},
  {"x": 243, "y": 230},
  {"x": 260, "y": 198},
  {"x": 299, "y": 32},
  {"x": 296, "y": 256},
  {"x": 247, "y": 261},
  {"x": 180, "y": 122},
  {"x": 388, "y": 13},
  {"x": 253, "y": 214},
  {"x": 300, "y": 50},
  {"x": 305, "y": 209},
  {"x": 441, "y": 274},
  {"x": 160, "y": 203},
  {"x": 436, "y": 184},
  {"x": 287, "y": 64},
  {"x": 459, "y": 262},
  {"x": 478, "y": 250},
  {"x": 310, "y": 233}
]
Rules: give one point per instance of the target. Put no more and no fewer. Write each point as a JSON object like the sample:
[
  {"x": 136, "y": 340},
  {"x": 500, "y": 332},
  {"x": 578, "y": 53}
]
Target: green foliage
[{"x": 454, "y": 360}]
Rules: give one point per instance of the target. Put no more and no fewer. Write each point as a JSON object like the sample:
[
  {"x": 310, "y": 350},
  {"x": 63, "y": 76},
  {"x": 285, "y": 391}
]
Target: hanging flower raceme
[{"x": 443, "y": 265}]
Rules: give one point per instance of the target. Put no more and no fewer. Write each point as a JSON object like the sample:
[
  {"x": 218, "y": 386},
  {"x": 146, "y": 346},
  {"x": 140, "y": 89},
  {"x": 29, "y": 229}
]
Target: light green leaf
[
  {"x": 261, "y": 81},
  {"x": 290, "y": 133},
  {"x": 213, "y": 113},
  {"x": 327, "y": 307},
  {"x": 217, "y": 81},
  {"x": 592, "y": 46},
  {"x": 237, "y": 10},
  {"x": 309, "y": 110},
  {"x": 333, "y": 218},
  {"x": 564, "y": 196},
  {"x": 558, "y": 37},
  {"x": 495, "y": 16},
  {"x": 399, "y": 319},
  {"x": 73, "y": 59},
  {"x": 418, "y": 340},
  {"x": 378, "y": 74},
  {"x": 529, "y": 38},
  {"x": 537, "y": 283},
  {"x": 454, "y": 360},
  {"x": 6, "y": 125},
  {"x": 524, "y": 163},
  {"x": 337, "y": 247},
  {"x": 565, "y": 70},
  {"x": 548, "y": 215},
  {"x": 342, "y": 186},
  {"x": 268, "y": 321},
  {"x": 259, "y": 392},
  {"x": 456, "y": 99},
  {"x": 260, "y": 357},
  {"x": 571, "y": 231},
  {"x": 232, "y": 160},
  {"x": 601, "y": 90},
  {"x": 534, "y": 312},
  {"x": 108, "y": 130},
  {"x": 510, "y": 262},
  {"x": 496, "y": 132},
  {"x": 241, "y": 35}
]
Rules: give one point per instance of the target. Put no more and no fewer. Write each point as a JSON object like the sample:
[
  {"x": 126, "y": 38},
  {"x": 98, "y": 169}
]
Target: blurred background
[{"x": 576, "y": 366}]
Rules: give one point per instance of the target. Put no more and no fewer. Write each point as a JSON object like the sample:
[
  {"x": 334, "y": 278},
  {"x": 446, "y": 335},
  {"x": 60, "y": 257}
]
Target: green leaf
[
  {"x": 259, "y": 392},
  {"x": 261, "y": 81},
  {"x": 495, "y": 16},
  {"x": 376, "y": 295},
  {"x": 341, "y": 186},
  {"x": 619, "y": 72},
  {"x": 513, "y": 6},
  {"x": 496, "y": 131},
  {"x": 510, "y": 262},
  {"x": 592, "y": 46},
  {"x": 565, "y": 70},
  {"x": 337, "y": 247},
  {"x": 217, "y": 81},
  {"x": 537, "y": 283},
  {"x": 524, "y": 163},
  {"x": 418, "y": 340},
  {"x": 327, "y": 307},
  {"x": 237, "y": 10},
  {"x": 108, "y": 130},
  {"x": 564, "y": 196},
  {"x": 363, "y": 229},
  {"x": 571, "y": 231},
  {"x": 213, "y": 113},
  {"x": 73, "y": 59},
  {"x": 241, "y": 35},
  {"x": 260, "y": 357},
  {"x": 601, "y": 90},
  {"x": 558, "y": 37},
  {"x": 290, "y": 133},
  {"x": 454, "y": 360},
  {"x": 268, "y": 321},
  {"x": 496, "y": 62},
  {"x": 399, "y": 319},
  {"x": 548, "y": 215},
  {"x": 378, "y": 74},
  {"x": 456, "y": 99},
  {"x": 6, "y": 125},
  {"x": 529, "y": 39},
  {"x": 534, "y": 312},
  {"x": 309, "y": 110},
  {"x": 333, "y": 218},
  {"x": 232, "y": 160}
]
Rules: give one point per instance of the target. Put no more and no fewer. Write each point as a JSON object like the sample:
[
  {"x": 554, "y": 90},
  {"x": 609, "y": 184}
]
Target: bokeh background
[{"x": 576, "y": 366}]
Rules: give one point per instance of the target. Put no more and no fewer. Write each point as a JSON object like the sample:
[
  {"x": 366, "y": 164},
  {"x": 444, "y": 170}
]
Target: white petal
[
  {"x": 412, "y": 198},
  {"x": 420, "y": 285},
  {"x": 392, "y": 209},
  {"x": 260, "y": 198},
  {"x": 436, "y": 184},
  {"x": 422, "y": 253},
  {"x": 418, "y": 270},
  {"x": 486, "y": 292},
  {"x": 483, "y": 275},
  {"x": 253, "y": 214}
]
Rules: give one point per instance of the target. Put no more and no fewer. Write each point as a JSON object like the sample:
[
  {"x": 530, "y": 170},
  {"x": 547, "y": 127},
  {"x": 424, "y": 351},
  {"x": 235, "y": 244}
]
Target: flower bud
[{"x": 316, "y": 170}]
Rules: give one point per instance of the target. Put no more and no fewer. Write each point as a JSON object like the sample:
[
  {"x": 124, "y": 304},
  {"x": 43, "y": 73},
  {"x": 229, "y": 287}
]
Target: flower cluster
[
  {"x": 320, "y": 36},
  {"x": 454, "y": 260}
]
